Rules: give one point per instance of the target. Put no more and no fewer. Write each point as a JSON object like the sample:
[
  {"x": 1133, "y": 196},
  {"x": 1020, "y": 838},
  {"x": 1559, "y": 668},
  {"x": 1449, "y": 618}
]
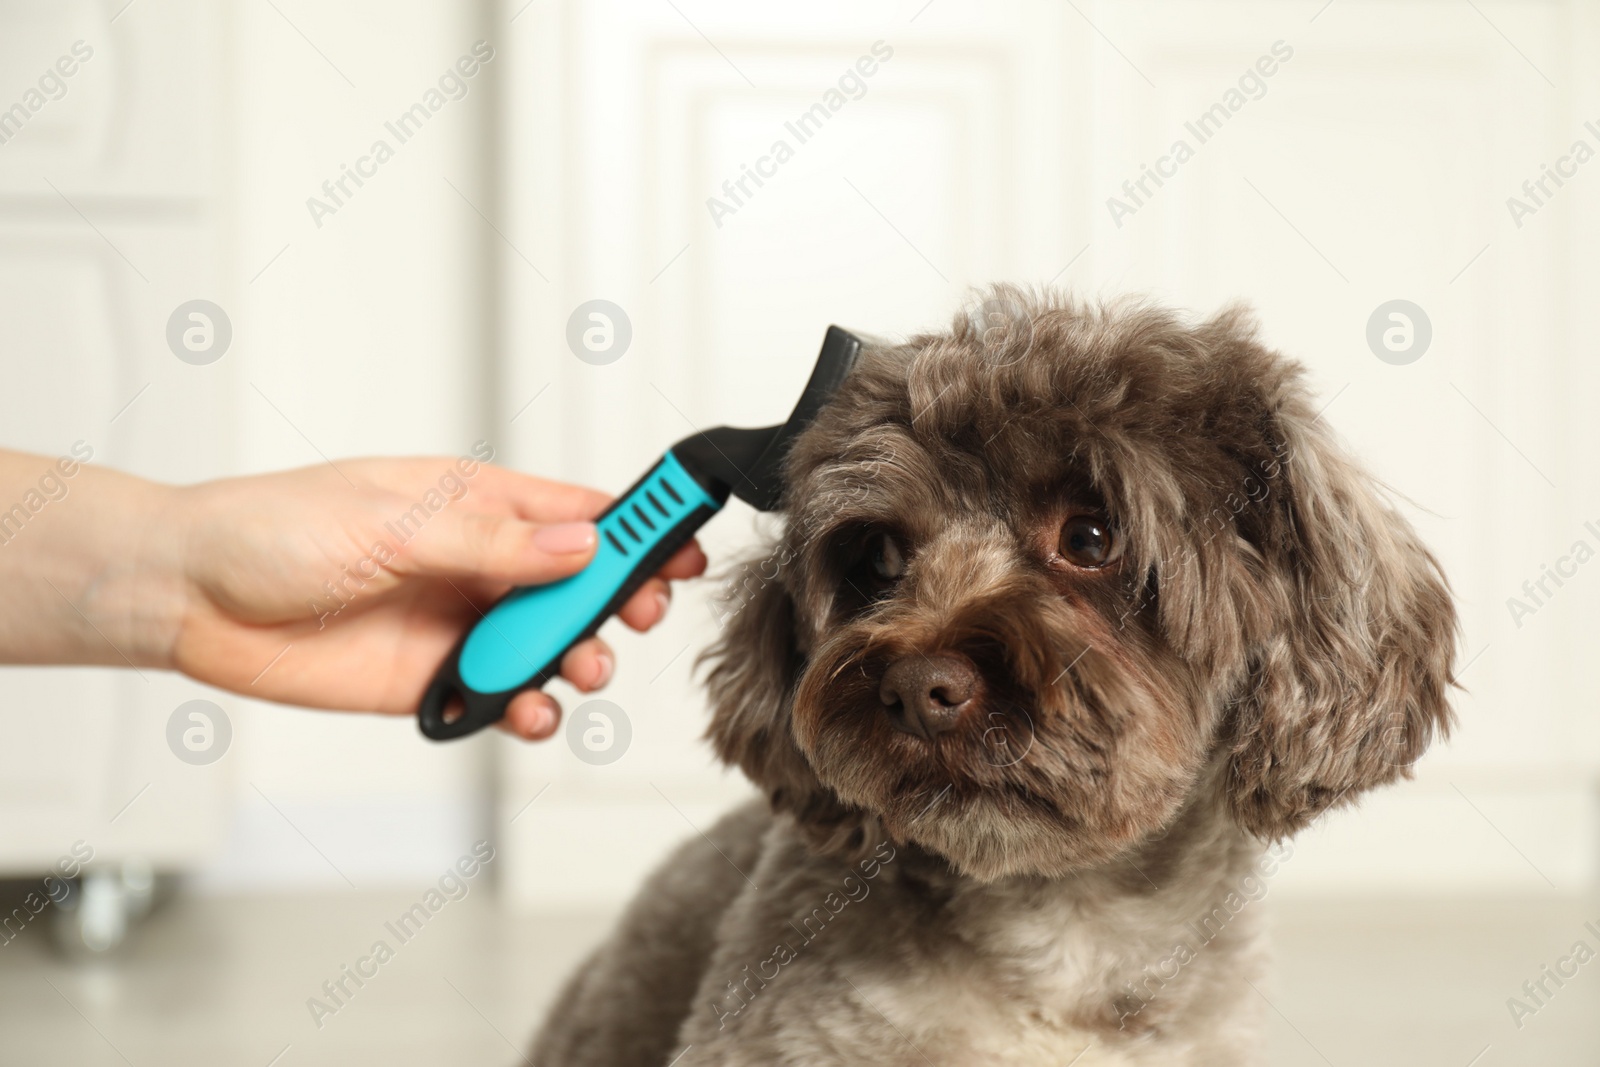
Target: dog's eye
[
  {"x": 1089, "y": 541},
  {"x": 888, "y": 561},
  {"x": 871, "y": 563}
]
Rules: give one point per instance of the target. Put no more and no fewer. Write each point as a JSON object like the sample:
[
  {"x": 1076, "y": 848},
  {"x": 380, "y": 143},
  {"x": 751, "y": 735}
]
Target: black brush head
[{"x": 749, "y": 463}]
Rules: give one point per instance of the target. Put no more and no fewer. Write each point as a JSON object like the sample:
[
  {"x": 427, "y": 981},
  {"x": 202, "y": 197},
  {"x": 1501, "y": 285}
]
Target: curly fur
[{"x": 1273, "y": 642}]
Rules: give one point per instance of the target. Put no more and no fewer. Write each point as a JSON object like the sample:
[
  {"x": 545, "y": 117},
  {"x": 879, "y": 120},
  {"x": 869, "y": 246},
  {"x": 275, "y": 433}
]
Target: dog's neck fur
[{"x": 1130, "y": 946}]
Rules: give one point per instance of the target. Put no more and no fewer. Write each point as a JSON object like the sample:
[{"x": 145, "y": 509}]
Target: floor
[{"x": 218, "y": 982}]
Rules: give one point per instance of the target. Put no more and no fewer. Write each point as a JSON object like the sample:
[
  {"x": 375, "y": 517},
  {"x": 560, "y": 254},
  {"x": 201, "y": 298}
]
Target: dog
[{"x": 1078, "y": 614}]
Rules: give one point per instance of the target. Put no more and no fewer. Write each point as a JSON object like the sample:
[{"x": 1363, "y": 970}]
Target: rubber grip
[{"x": 519, "y": 643}]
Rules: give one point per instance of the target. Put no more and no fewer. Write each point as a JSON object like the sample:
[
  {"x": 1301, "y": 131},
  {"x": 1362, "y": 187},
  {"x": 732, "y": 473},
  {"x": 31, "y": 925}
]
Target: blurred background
[{"x": 1404, "y": 191}]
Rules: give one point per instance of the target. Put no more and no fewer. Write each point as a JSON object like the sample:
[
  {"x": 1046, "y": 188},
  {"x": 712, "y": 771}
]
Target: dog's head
[{"x": 1043, "y": 571}]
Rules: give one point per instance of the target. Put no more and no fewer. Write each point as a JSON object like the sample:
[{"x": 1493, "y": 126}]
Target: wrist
[{"x": 135, "y": 592}]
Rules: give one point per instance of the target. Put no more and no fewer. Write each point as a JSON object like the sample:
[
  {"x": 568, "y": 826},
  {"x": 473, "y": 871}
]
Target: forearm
[{"x": 89, "y": 563}]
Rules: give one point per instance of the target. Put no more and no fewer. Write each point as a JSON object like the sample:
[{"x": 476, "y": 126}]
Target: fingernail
[
  {"x": 665, "y": 602},
  {"x": 565, "y": 538},
  {"x": 607, "y": 665},
  {"x": 542, "y": 720}
]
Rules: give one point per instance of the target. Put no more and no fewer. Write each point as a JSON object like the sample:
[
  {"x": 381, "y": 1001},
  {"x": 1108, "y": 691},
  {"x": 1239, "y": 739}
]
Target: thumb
[{"x": 501, "y": 548}]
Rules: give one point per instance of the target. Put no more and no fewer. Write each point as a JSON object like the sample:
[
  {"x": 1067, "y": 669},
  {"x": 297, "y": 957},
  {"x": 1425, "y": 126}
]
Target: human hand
[{"x": 343, "y": 587}]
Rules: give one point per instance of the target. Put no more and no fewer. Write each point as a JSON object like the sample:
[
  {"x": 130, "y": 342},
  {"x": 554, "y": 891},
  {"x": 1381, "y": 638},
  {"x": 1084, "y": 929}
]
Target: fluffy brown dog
[{"x": 1076, "y": 611}]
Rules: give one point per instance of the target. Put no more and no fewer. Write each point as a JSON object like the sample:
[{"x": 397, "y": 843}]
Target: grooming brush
[{"x": 519, "y": 643}]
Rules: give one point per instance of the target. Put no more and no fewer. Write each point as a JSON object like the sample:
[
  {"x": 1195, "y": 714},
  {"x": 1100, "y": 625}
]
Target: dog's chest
[
  {"x": 1031, "y": 984},
  {"x": 948, "y": 1017},
  {"x": 1040, "y": 978}
]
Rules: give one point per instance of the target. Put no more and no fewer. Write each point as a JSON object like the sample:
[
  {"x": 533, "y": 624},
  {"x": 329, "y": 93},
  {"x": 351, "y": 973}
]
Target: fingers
[
  {"x": 532, "y": 716},
  {"x": 509, "y": 550},
  {"x": 480, "y": 487},
  {"x": 589, "y": 665},
  {"x": 688, "y": 562},
  {"x": 648, "y": 606},
  {"x": 536, "y": 715},
  {"x": 515, "y": 552},
  {"x": 539, "y": 499}
]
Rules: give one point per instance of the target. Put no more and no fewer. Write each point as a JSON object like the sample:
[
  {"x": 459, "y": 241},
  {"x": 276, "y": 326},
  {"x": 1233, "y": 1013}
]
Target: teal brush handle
[{"x": 518, "y": 645}]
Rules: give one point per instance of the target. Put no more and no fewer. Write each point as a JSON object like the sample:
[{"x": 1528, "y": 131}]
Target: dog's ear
[
  {"x": 1355, "y": 632},
  {"x": 754, "y": 665}
]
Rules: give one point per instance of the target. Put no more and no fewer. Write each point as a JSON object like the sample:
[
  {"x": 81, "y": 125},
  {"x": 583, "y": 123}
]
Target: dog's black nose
[{"x": 926, "y": 695}]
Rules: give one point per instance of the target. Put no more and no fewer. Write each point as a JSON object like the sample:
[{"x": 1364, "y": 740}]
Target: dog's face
[{"x": 1042, "y": 572}]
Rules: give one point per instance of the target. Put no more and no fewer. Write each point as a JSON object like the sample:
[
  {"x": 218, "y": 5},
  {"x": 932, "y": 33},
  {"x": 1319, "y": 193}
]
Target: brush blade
[{"x": 750, "y": 462}]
